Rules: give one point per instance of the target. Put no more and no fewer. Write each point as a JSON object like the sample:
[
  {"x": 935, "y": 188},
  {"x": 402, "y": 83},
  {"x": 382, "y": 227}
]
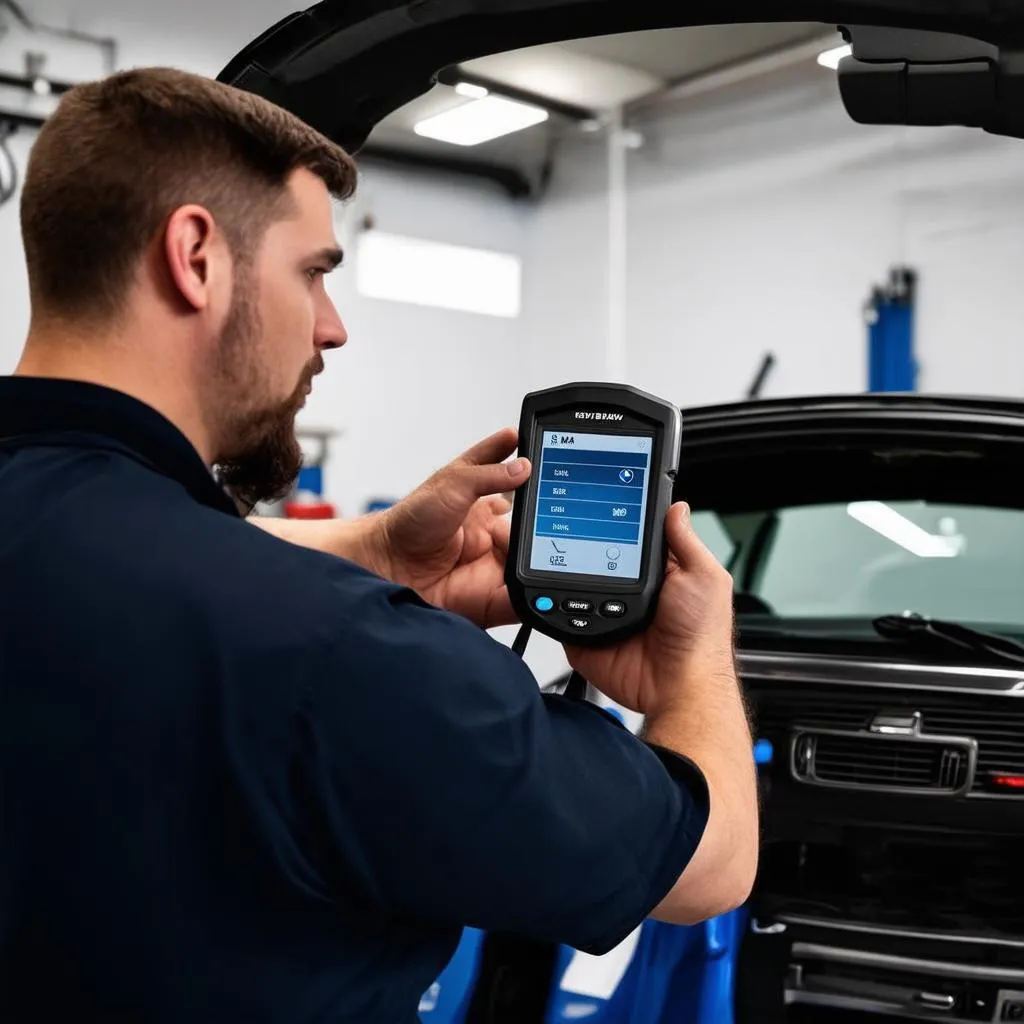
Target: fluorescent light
[
  {"x": 470, "y": 91},
  {"x": 480, "y": 120},
  {"x": 428, "y": 273},
  {"x": 830, "y": 58},
  {"x": 883, "y": 519}
]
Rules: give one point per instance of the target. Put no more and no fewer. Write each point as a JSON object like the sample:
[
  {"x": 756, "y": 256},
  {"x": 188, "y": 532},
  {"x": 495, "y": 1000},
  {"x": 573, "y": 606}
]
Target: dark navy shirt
[{"x": 243, "y": 782}]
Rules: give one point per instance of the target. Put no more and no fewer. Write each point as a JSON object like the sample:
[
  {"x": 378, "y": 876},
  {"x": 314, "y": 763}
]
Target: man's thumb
[
  {"x": 683, "y": 542},
  {"x": 461, "y": 485},
  {"x": 498, "y": 478}
]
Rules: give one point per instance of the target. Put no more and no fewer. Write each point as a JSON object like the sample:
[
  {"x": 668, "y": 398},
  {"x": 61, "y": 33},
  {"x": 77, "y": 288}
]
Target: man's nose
[{"x": 329, "y": 331}]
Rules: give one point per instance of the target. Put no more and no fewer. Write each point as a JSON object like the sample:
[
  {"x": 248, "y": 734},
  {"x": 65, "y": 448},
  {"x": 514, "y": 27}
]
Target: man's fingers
[
  {"x": 482, "y": 471},
  {"x": 470, "y": 482},
  {"x": 501, "y": 532},
  {"x": 499, "y": 505},
  {"x": 444, "y": 501},
  {"x": 496, "y": 448}
]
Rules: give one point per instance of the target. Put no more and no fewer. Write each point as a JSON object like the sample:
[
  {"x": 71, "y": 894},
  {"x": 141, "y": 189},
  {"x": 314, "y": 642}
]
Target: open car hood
[{"x": 344, "y": 65}]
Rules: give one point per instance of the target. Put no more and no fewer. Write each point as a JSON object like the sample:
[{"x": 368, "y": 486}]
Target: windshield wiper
[{"x": 941, "y": 635}]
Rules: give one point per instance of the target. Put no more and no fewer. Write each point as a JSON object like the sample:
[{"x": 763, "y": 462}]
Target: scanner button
[
  {"x": 543, "y": 604},
  {"x": 613, "y": 609},
  {"x": 577, "y": 604},
  {"x": 579, "y": 623}
]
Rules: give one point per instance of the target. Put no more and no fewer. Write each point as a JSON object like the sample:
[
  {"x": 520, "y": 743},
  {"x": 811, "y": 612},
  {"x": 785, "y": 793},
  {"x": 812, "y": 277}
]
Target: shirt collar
[{"x": 37, "y": 410}]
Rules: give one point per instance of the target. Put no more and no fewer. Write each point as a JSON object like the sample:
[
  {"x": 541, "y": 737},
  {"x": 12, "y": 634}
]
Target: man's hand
[
  {"x": 680, "y": 674},
  {"x": 448, "y": 539},
  {"x": 692, "y": 631}
]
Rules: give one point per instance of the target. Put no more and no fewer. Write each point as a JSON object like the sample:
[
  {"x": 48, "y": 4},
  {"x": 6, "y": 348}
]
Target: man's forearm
[
  {"x": 704, "y": 718},
  {"x": 343, "y": 538}
]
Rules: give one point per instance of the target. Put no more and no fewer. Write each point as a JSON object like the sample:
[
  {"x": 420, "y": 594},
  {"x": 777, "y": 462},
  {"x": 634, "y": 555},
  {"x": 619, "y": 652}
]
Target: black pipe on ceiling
[
  {"x": 455, "y": 75},
  {"x": 510, "y": 179}
]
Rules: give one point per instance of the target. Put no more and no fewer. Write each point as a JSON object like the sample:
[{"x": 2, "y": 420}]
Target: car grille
[
  {"x": 876, "y": 876},
  {"x": 887, "y": 762},
  {"x": 997, "y": 723}
]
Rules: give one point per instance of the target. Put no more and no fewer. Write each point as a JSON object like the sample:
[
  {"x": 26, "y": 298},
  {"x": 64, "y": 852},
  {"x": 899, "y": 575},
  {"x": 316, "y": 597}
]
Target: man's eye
[{"x": 314, "y": 272}]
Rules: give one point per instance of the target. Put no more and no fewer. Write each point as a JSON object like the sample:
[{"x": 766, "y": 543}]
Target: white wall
[
  {"x": 759, "y": 220},
  {"x": 416, "y": 385}
]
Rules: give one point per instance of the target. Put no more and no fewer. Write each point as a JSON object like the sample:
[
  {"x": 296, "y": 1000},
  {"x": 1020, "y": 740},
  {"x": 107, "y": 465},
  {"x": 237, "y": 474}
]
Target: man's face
[{"x": 271, "y": 346}]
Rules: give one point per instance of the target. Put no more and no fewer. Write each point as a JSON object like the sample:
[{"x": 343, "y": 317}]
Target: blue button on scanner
[{"x": 543, "y": 604}]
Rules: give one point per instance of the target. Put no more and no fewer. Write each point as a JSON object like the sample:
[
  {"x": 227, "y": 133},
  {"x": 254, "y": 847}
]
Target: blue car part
[{"x": 447, "y": 1000}]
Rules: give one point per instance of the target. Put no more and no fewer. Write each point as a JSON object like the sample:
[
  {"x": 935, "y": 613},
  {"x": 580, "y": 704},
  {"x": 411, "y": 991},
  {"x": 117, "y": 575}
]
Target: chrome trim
[
  {"x": 896, "y": 723},
  {"x": 802, "y": 997},
  {"x": 879, "y": 997},
  {"x": 940, "y": 968},
  {"x": 898, "y": 933},
  {"x": 775, "y": 928},
  {"x": 935, "y": 1000},
  {"x": 797, "y": 668},
  {"x": 964, "y": 743}
]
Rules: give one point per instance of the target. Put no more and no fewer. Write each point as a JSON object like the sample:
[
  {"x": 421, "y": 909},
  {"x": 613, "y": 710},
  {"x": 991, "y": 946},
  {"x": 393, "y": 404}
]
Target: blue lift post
[{"x": 890, "y": 320}]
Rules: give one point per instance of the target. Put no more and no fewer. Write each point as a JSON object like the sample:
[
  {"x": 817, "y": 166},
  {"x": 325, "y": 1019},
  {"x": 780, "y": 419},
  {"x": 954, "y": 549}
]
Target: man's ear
[{"x": 189, "y": 249}]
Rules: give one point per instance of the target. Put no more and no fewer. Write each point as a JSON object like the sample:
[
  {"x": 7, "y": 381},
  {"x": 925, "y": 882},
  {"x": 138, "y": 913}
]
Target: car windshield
[{"x": 832, "y": 568}]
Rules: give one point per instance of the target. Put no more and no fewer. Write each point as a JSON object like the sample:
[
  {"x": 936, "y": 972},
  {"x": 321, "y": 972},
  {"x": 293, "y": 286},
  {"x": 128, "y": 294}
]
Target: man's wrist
[{"x": 715, "y": 668}]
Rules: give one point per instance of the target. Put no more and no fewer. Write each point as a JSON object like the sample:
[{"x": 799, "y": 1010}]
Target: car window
[
  {"x": 872, "y": 558},
  {"x": 708, "y": 526}
]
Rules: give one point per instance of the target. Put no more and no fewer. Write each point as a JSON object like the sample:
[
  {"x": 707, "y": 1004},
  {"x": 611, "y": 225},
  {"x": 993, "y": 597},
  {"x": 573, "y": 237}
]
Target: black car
[
  {"x": 876, "y": 544},
  {"x": 877, "y": 549}
]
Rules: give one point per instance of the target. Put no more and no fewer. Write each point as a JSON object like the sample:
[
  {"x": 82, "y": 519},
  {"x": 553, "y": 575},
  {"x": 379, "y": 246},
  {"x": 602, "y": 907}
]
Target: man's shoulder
[{"x": 162, "y": 547}]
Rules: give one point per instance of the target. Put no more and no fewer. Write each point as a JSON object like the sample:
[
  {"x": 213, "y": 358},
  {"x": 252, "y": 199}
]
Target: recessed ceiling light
[
  {"x": 480, "y": 121},
  {"x": 470, "y": 91},
  {"x": 830, "y": 58}
]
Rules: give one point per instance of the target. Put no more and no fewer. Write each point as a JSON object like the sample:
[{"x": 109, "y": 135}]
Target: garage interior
[{"x": 692, "y": 211}]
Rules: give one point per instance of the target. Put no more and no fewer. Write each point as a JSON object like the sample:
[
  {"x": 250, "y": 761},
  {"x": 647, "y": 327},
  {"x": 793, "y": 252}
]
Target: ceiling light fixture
[
  {"x": 830, "y": 58},
  {"x": 480, "y": 120},
  {"x": 884, "y": 519},
  {"x": 470, "y": 91}
]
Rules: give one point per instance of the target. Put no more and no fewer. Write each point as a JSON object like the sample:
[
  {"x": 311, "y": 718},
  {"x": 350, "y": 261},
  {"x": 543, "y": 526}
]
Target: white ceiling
[
  {"x": 671, "y": 54},
  {"x": 601, "y": 73}
]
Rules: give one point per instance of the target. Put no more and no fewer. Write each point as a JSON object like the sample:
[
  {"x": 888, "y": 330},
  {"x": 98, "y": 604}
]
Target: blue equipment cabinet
[{"x": 890, "y": 320}]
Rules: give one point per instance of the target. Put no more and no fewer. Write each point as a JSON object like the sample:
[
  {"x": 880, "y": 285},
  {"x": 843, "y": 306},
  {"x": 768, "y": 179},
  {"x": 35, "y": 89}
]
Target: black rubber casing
[{"x": 641, "y": 414}]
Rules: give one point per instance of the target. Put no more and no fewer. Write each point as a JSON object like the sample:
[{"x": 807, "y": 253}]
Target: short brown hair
[{"x": 118, "y": 156}]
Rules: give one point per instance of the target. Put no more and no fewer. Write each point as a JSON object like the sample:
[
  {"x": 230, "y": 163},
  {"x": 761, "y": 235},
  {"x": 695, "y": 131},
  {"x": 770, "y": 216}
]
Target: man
[{"x": 248, "y": 777}]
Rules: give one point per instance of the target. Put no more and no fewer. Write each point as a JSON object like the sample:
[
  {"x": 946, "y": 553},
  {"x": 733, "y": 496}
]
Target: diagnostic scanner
[{"x": 586, "y": 556}]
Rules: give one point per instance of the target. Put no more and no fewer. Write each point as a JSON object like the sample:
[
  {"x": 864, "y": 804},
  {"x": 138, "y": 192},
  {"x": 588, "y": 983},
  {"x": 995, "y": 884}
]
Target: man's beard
[{"x": 260, "y": 455}]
